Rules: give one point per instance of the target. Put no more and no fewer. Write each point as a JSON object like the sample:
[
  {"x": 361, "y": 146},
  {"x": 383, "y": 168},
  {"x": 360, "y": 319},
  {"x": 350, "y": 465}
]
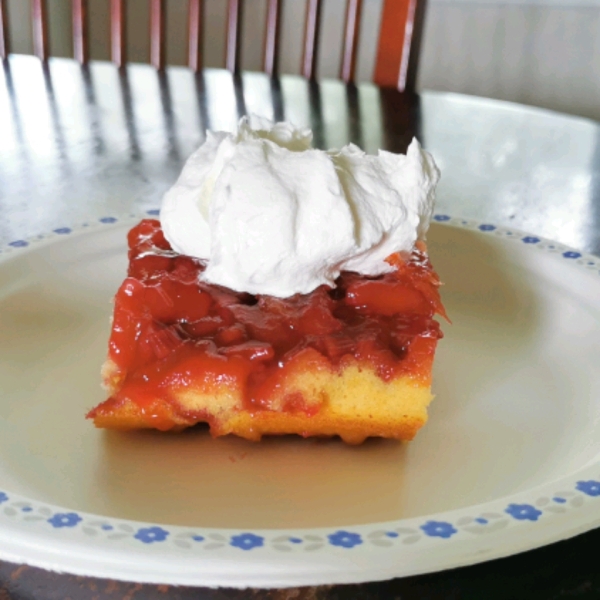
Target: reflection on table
[{"x": 79, "y": 141}]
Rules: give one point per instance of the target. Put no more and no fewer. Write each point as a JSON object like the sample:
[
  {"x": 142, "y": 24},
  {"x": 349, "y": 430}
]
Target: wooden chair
[{"x": 397, "y": 52}]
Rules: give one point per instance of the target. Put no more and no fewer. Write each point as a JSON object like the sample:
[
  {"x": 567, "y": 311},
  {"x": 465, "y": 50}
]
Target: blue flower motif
[
  {"x": 486, "y": 227},
  {"x": 523, "y": 512},
  {"x": 106, "y": 527},
  {"x": 198, "y": 538},
  {"x": 439, "y": 529},
  {"x": 148, "y": 535},
  {"x": 64, "y": 519},
  {"x": 591, "y": 488},
  {"x": 3, "y": 497},
  {"x": 108, "y": 220},
  {"x": 63, "y": 230},
  {"x": 441, "y": 218},
  {"x": 559, "y": 500},
  {"x": 26, "y": 509},
  {"x": 247, "y": 541},
  {"x": 345, "y": 539},
  {"x": 19, "y": 244},
  {"x": 295, "y": 540},
  {"x": 391, "y": 534},
  {"x": 481, "y": 521},
  {"x": 531, "y": 240},
  {"x": 571, "y": 254},
  {"x": 153, "y": 211}
]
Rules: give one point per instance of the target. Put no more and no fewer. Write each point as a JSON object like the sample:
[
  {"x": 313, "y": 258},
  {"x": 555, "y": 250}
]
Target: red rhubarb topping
[{"x": 170, "y": 328}]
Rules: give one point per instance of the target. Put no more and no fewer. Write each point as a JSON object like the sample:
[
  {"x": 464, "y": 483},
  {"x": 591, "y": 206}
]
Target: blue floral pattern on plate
[
  {"x": 439, "y": 529},
  {"x": 149, "y": 535},
  {"x": 70, "y": 519},
  {"x": 523, "y": 512},
  {"x": 344, "y": 539},
  {"x": 591, "y": 488},
  {"x": 440, "y": 218},
  {"x": 247, "y": 541}
]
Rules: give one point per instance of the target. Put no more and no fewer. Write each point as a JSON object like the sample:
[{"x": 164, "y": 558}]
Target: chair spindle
[
  {"x": 118, "y": 47},
  {"x": 80, "y": 31},
  {"x": 4, "y": 46},
  {"x": 351, "y": 37},
  {"x": 399, "y": 44},
  {"x": 311, "y": 39},
  {"x": 39, "y": 23},
  {"x": 157, "y": 33},
  {"x": 234, "y": 30},
  {"x": 195, "y": 18},
  {"x": 272, "y": 31}
]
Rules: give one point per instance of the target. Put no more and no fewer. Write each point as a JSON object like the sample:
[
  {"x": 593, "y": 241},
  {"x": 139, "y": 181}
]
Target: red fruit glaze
[{"x": 170, "y": 329}]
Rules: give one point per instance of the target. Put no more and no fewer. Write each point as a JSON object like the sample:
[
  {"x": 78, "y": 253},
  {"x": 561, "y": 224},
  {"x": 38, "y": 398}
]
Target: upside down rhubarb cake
[{"x": 284, "y": 290}]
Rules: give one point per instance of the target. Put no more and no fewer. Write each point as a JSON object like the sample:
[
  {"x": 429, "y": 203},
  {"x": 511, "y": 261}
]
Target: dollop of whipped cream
[{"x": 270, "y": 215}]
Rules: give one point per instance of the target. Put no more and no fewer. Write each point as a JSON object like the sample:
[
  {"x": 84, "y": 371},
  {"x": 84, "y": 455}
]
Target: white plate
[{"x": 509, "y": 460}]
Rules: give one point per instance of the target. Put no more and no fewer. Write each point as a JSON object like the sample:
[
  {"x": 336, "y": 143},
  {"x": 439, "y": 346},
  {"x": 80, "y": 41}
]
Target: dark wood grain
[
  {"x": 234, "y": 27},
  {"x": 39, "y": 24},
  {"x": 195, "y": 24},
  {"x": 351, "y": 38},
  {"x": 310, "y": 50},
  {"x": 272, "y": 30},
  {"x": 80, "y": 31},
  {"x": 157, "y": 33},
  {"x": 4, "y": 44},
  {"x": 118, "y": 53}
]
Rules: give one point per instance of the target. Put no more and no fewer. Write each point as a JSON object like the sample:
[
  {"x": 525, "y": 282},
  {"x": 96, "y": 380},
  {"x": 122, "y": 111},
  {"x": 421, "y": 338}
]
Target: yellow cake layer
[{"x": 354, "y": 404}]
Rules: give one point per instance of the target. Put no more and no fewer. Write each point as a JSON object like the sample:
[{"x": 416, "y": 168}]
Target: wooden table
[{"x": 77, "y": 142}]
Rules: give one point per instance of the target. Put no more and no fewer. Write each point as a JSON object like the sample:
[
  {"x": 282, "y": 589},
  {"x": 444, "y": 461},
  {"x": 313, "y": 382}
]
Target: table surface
[{"x": 80, "y": 142}]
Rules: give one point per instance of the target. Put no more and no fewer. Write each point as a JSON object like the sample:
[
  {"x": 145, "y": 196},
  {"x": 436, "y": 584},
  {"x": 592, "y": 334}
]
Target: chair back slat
[
  {"x": 157, "y": 33},
  {"x": 351, "y": 33},
  {"x": 118, "y": 52},
  {"x": 234, "y": 29},
  {"x": 311, "y": 39},
  {"x": 195, "y": 18},
  {"x": 272, "y": 29},
  {"x": 39, "y": 24},
  {"x": 4, "y": 46},
  {"x": 80, "y": 30},
  {"x": 399, "y": 41},
  {"x": 397, "y": 49}
]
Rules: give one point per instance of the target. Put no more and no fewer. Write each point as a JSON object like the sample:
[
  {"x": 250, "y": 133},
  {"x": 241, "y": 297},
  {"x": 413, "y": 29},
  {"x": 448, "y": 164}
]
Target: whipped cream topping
[{"x": 271, "y": 215}]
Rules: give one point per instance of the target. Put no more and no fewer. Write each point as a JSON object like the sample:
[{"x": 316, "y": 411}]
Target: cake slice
[
  {"x": 352, "y": 360},
  {"x": 285, "y": 290}
]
